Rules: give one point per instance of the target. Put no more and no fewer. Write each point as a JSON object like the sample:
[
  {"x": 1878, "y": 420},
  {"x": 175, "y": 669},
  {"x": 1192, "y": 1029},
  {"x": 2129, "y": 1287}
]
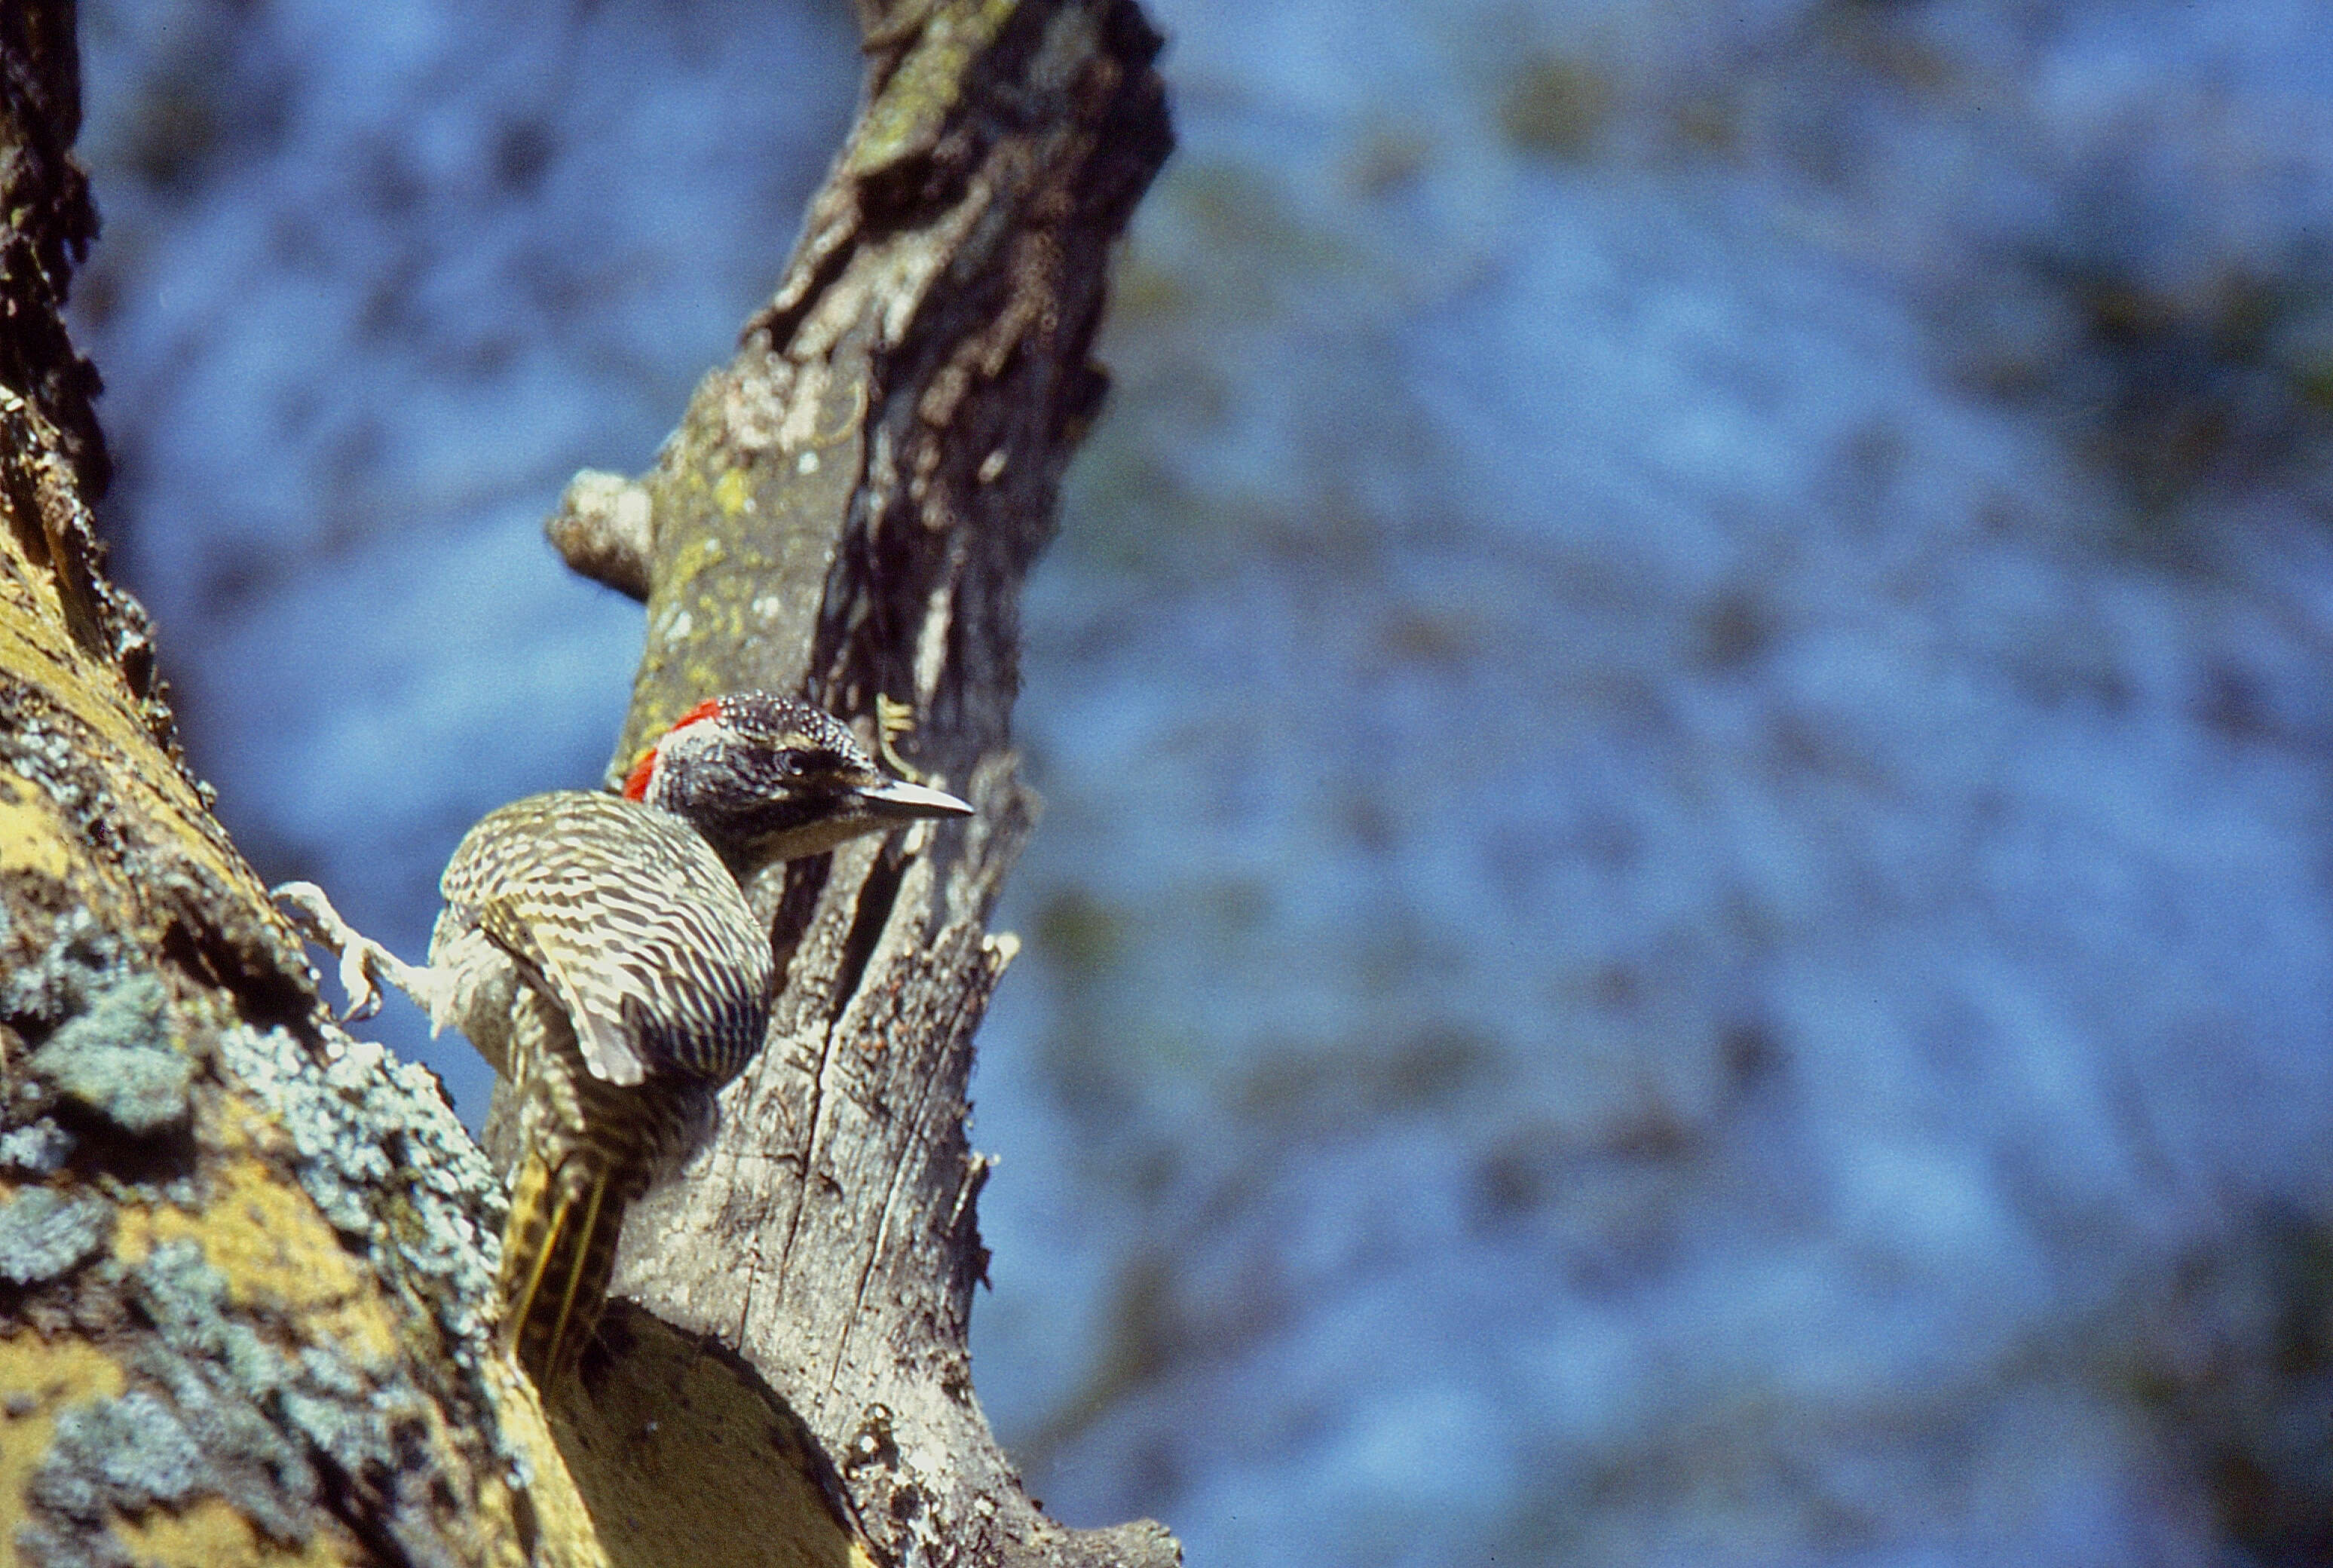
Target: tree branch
[
  {"x": 245, "y": 1303},
  {"x": 848, "y": 510}
]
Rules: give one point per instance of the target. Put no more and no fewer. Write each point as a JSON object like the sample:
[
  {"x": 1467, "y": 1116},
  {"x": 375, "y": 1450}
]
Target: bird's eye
[{"x": 793, "y": 763}]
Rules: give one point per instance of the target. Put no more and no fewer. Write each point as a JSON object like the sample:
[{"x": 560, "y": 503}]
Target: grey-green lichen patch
[
  {"x": 227, "y": 1403},
  {"x": 242, "y": 1402},
  {"x": 208, "y": 1415},
  {"x": 45, "y": 1234},
  {"x": 103, "y": 1038},
  {"x": 368, "y": 1127},
  {"x": 133, "y": 1450},
  {"x": 56, "y": 983},
  {"x": 248, "y": 1403},
  {"x": 226, "y": 1383},
  {"x": 119, "y": 1059},
  {"x": 39, "y": 1148},
  {"x": 384, "y": 1158}
]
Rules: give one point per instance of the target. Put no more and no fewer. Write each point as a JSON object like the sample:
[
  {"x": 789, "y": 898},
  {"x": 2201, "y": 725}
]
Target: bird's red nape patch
[
  {"x": 636, "y": 782},
  {"x": 709, "y": 708}
]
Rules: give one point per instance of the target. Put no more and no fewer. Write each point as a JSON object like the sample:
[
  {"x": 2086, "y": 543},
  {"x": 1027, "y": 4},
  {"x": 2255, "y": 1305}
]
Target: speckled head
[{"x": 768, "y": 778}]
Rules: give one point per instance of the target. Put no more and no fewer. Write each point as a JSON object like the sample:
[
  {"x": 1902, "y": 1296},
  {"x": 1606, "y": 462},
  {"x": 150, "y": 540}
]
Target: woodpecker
[{"x": 598, "y": 951}]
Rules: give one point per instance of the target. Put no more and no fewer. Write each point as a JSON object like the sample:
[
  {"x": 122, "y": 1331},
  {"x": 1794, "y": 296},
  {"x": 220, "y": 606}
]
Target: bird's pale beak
[{"x": 894, "y": 797}]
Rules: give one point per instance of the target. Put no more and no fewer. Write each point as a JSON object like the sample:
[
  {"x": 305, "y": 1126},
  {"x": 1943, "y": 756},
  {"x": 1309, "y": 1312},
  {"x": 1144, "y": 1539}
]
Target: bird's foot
[{"x": 364, "y": 963}]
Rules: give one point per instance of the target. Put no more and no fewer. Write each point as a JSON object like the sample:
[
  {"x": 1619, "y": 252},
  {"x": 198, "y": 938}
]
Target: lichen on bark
[{"x": 245, "y": 1261}]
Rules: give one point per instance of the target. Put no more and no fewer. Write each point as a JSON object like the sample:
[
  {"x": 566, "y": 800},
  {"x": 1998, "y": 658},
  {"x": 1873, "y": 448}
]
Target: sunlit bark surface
[{"x": 245, "y": 1279}]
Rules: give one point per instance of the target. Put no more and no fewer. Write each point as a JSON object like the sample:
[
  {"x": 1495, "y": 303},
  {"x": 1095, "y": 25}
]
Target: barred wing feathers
[{"x": 626, "y": 915}]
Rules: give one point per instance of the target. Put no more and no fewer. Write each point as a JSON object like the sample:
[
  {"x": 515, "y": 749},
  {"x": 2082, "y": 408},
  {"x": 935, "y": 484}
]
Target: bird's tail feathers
[{"x": 559, "y": 1253}]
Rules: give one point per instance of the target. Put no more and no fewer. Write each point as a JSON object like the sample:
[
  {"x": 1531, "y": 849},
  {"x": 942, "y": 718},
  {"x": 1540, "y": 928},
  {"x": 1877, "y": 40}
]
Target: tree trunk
[{"x": 245, "y": 1288}]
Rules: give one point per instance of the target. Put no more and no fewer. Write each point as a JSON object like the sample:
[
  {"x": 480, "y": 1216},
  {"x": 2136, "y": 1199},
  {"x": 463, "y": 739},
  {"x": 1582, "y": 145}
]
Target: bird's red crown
[{"x": 636, "y": 782}]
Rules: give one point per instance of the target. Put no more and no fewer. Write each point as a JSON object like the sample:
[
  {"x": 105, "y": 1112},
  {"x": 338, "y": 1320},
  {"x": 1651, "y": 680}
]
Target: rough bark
[
  {"x": 245, "y": 1277},
  {"x": 847, "y": 509},
  {"x": 244, "y": 1306}
]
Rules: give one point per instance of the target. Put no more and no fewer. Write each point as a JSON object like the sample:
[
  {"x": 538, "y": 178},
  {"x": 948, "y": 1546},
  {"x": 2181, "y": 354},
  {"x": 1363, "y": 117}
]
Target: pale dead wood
[
  {"x": 243, "y": 1289},
  {"x": 849, "y": 509}
]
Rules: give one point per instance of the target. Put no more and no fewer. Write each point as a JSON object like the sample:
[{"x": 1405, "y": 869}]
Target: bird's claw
[
  {"x": 312, "y": 912},
  {"x": 356, "y": 984}
]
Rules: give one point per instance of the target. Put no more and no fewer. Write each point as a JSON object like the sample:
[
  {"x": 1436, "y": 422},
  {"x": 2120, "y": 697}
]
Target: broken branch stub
[{"x": 847, "y": 510}]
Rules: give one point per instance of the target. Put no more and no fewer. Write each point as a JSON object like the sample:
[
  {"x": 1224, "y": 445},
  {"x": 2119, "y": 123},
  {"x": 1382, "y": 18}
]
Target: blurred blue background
[{"x": 1685, "y": 915}]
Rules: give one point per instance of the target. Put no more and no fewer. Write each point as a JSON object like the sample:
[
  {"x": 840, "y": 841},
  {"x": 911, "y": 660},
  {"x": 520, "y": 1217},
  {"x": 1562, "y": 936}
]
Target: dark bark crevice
[{"x": 227, "y": 1228}]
